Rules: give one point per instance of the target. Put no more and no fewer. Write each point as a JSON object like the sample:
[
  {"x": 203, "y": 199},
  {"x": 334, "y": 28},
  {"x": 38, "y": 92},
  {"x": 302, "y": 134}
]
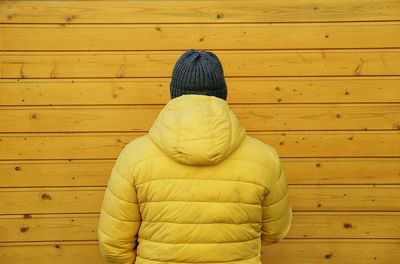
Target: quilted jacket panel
[{"x": 195, "y": 189}]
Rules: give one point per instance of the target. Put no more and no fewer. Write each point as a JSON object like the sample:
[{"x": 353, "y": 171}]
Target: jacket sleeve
[
  {"x": 276, "y": 210},
  {"x": 120, "y": 217}
]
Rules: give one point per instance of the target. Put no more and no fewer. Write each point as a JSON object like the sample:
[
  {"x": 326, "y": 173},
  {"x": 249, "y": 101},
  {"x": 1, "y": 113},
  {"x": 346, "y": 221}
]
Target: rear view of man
[{"x": 196, "y": 188}]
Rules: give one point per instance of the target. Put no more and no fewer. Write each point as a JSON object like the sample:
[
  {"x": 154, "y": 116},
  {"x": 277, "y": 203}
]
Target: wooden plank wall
[{"x": 318, "y": 80}]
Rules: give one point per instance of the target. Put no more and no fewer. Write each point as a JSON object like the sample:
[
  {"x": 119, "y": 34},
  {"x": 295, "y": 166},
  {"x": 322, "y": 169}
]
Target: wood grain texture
[
  {"x": 68, "y": 227},
  {"x": 79, "y": 173},
  {"x": 253, "y": 117},
  {"x": 345, "y": 225},
  {"x": 365, "y": 62},
  {"x": 288, "y": 144},
  {"x": 196, "y": 11},
  {"x": 290, "y": 251},
  {"x": 203, "y": 36},
  {"x": 302, "y": 198},
  {"x": 240, "y": 90},
  {"x": 336, "y": 251},
  {"x": 317, "y": 80},
  {"x": 81, "y": 252}
]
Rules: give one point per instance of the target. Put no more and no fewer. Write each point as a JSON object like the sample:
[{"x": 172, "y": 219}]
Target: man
[{"x": 196, "y": 188}]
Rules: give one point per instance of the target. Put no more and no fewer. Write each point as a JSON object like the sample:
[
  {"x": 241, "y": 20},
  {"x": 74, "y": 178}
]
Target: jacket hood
[{"x": 197, "y": 130}]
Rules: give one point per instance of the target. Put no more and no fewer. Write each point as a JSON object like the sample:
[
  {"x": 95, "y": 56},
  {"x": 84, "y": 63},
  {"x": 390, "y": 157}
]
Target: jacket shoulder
[
  {"x": 256, "y": 151},
  {"x": 262, "y": 146},
  {"x": 136, "y": 151}
]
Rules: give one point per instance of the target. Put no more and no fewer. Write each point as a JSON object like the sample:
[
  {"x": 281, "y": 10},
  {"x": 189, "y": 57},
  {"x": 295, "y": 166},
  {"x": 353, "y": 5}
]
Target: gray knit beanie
[{"x": 198, "y": 72}]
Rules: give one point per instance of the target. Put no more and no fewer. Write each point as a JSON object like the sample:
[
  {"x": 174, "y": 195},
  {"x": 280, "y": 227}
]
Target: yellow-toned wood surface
[
  {"x": 246, "y": 36},
  {"x": 317, "y": 80},
  {"x": 254, "y": 117},
  {"x": 303, "y": 198},
  {"x": 80, "y": 64},
  {"x": 45, "y": 227},
  {"x": 299, "y": 171},
  {"x": 333, "y": 144},
  {"x": 156, "y": 90},
  {"x": 290, "y": 251},
  {"x": 205, "y": 11}
]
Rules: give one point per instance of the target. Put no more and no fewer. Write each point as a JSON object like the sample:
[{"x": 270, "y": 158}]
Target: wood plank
[
  {"x": 81, "y": 252},
  {"x": 79, "y": 173},
  {"x": 296, "y": 251},
  {"x": 289, "y": 251},
  {"x": 345, "y": 198},
  {"x": 196, "y": 11},
  {"x": 55, "y": 173},
  {"x": 364, "y": 62},
  {"x": 56, "y": 200},
  {"x": 202, "y": 36},
  {"x": 344, "y": 225},
  {"x": 253, "y": 117},
  {"x": 303, "y": 198},
  {"x": 63, "y": 146},
  {"x": 334, "y": 144},
  {"x": 288, "y": 144},
  {"x": 240, "y": 90},
  {"x": 24, "y": 228},
  {"x": 48, "y": 227},
  {"x": 342, "y": 171}
]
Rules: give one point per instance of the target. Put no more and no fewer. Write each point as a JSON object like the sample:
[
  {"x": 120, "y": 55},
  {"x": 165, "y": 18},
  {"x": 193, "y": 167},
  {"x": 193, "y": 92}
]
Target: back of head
[
  {"x": 198, "y": 72},
  {"x": 197, "y": 127}
]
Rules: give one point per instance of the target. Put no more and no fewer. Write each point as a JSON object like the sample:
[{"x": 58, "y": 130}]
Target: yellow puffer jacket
[{"x": 195, "y": 189}]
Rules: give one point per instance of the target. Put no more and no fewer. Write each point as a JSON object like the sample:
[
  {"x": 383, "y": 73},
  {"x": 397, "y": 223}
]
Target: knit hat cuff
[{"x": 221, "y": 93}]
